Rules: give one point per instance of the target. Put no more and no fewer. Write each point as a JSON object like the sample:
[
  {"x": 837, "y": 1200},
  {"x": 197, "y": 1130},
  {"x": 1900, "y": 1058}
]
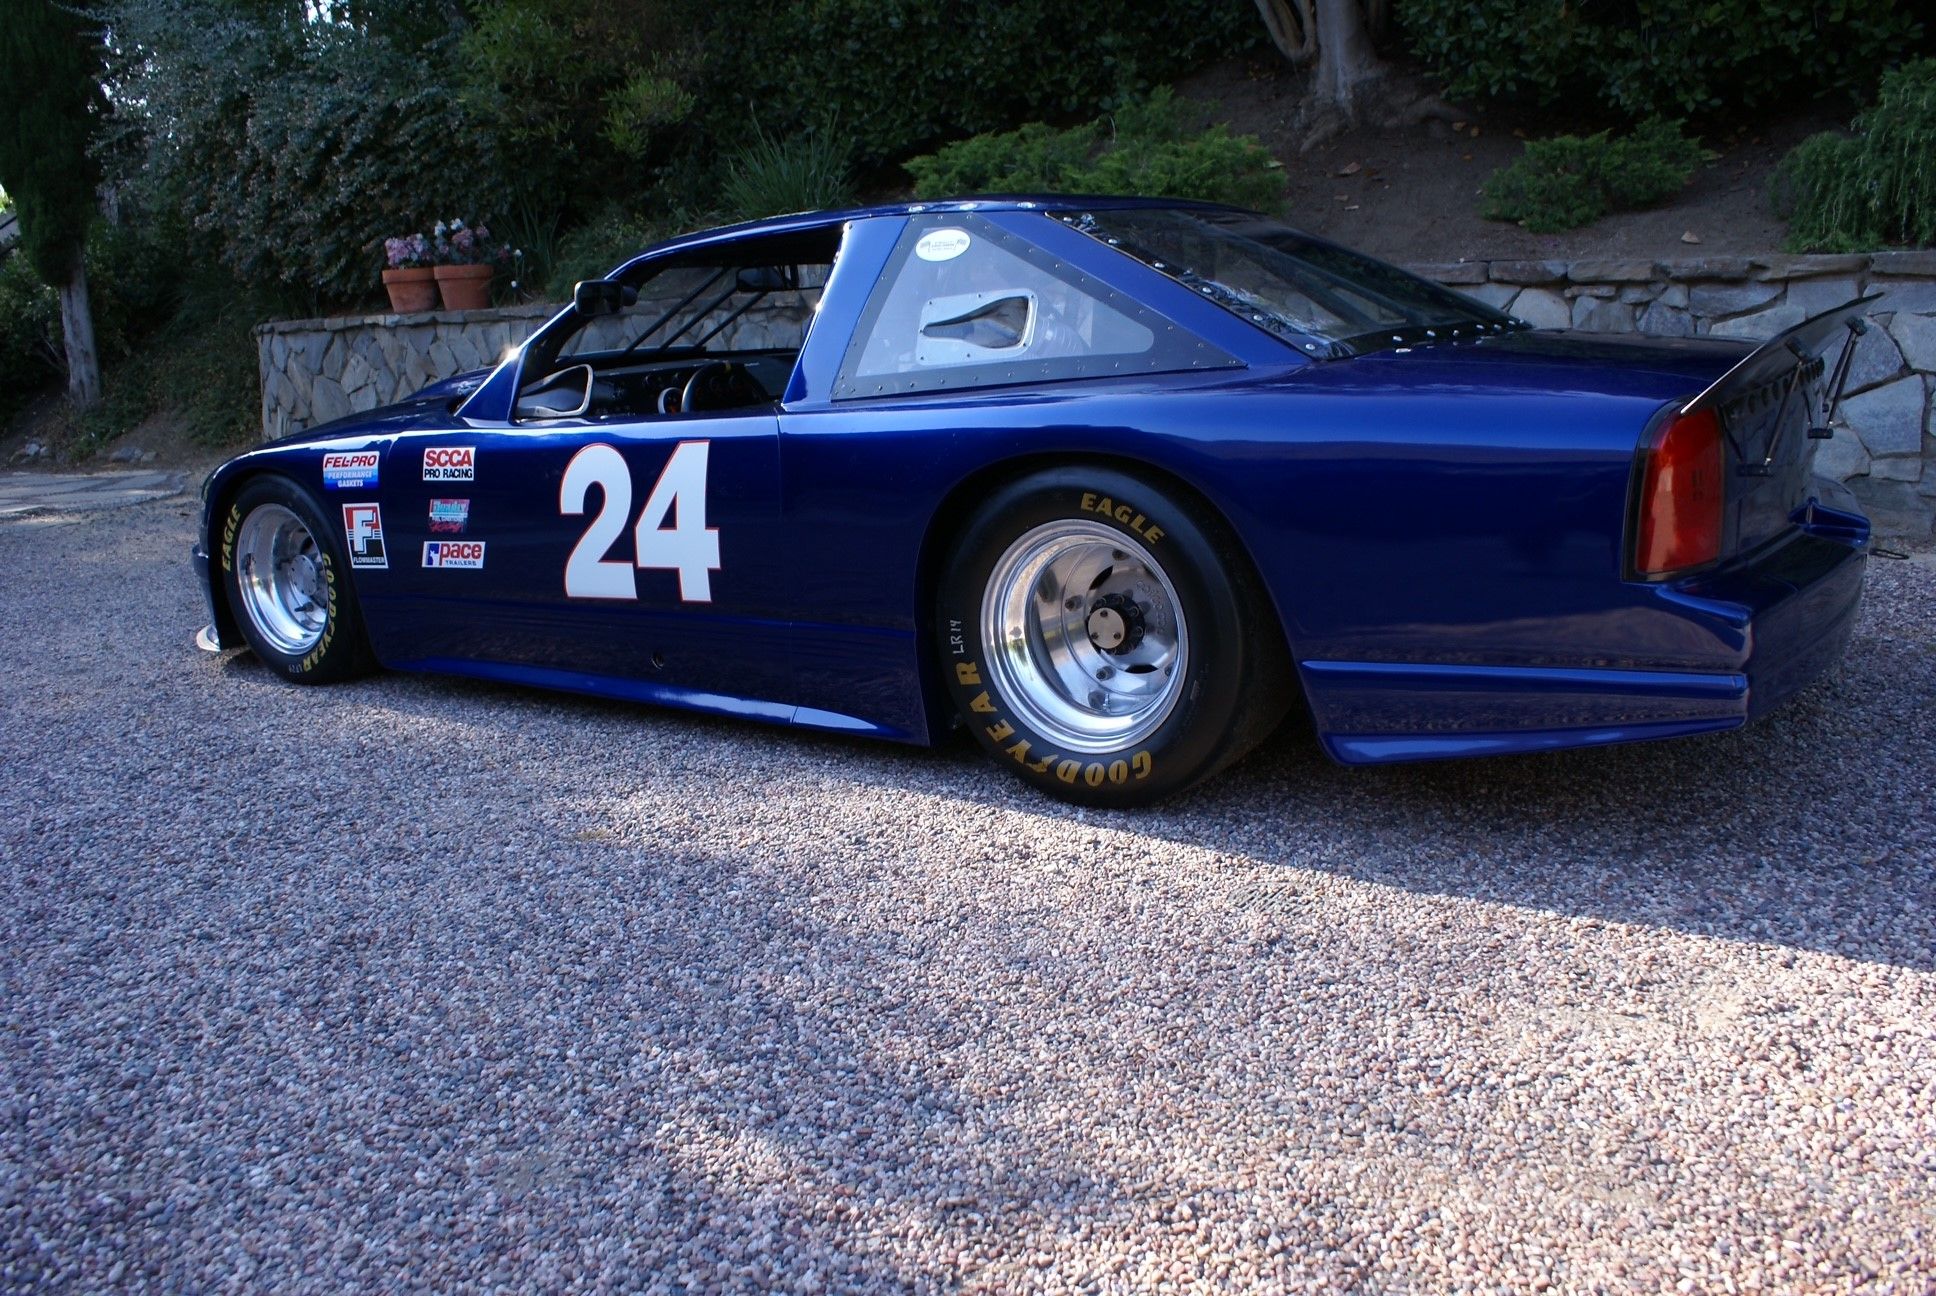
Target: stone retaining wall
[{"x": 316, "y": 370}]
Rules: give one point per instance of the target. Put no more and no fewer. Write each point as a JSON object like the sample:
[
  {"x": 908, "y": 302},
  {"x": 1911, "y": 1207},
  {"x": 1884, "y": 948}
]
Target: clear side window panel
[{"x": 964, "y": 303}]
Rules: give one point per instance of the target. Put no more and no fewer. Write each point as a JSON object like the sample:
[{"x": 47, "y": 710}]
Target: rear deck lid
[{"x": 1775, "y": 405}]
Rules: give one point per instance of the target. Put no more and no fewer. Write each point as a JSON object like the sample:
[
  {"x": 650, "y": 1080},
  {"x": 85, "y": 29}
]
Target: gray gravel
[{"x": 417, "y": 983}]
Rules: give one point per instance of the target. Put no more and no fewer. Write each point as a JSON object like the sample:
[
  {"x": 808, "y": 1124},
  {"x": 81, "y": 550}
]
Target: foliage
[
  {"x": 1854, "y": 194},
  {"x": 771, "y": 177},
  {"x": 580, "y": 91},
  {"x": 50, "y": 68},
  {"x": 1641, "y": 58},
  {"x": 904, "y": 74},
  {"x": 1147, "y": 148},
  {"x": 1568, "y": 181},
  {"x": 30, "y": 331},
  {"x": 598, "y": 246},
  {"x": 289, "y": 149}
]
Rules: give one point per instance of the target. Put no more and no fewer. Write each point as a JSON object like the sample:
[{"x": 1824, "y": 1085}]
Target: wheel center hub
[{"x": 1115, "y": 624}]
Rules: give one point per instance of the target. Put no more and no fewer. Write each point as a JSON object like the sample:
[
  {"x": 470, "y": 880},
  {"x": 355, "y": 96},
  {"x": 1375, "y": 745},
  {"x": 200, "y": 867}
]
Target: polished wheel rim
[
  {"x": 1086, "y": 636},
  {"x": 279, "y": 570}
]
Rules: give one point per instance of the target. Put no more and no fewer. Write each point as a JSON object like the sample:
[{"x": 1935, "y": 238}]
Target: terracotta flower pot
[
  {"x": 411, "y": 290},
  {"x": 465, "y": 287}
]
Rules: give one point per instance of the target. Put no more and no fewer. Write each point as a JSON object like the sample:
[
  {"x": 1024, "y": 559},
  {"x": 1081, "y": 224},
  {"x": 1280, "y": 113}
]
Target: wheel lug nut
[
  {"x": 1095, "y": 698},
  {"x": 1118, "y": 555},
  {"x": 1105, "y": 672},
  {"x": 1074, "y": 602}
]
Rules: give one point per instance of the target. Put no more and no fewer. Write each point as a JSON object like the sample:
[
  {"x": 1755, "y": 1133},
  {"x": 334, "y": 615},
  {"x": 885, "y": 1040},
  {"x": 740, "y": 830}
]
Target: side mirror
[
  {"x": 595, "y": 297},
  {"x": 765, "y": 279}
]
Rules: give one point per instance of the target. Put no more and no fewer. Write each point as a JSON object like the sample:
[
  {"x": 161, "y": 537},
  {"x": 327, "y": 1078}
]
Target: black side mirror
[
  {"x": 765, "y": 279},
  {"x": 594, "y": 297}
]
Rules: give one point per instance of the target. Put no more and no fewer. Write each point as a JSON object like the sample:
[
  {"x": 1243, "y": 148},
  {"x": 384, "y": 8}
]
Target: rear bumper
[{"x": 1775, "y": 623}]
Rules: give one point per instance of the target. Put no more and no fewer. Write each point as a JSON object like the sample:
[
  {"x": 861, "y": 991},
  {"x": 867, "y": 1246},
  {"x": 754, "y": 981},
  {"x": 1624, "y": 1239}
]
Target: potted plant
[
  {"x": 408, "y": 275},
  {"x": 467, "y": 257}
]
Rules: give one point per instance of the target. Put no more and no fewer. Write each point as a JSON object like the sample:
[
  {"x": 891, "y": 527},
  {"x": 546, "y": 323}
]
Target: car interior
[{"x": 684, "y": 336}]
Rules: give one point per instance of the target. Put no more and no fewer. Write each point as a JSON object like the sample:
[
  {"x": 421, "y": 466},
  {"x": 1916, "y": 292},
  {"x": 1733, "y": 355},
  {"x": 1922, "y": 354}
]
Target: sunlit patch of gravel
[{"x": 420, "y": 983}]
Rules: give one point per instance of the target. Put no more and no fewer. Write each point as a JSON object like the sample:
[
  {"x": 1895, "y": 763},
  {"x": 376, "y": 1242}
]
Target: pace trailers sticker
[
  {"x": 363, "y": 529},
  {"x": 355, "y": 470},
  {"x": 450, "y": 463},
  {"x": 453, "y": 553}
]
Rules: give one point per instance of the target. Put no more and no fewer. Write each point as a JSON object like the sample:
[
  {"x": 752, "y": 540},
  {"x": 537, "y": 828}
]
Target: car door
[{"x": 592, "y": 552}]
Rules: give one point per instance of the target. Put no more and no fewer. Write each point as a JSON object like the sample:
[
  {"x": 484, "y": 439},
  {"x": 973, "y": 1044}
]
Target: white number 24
[{"x": 688, "y": 546}]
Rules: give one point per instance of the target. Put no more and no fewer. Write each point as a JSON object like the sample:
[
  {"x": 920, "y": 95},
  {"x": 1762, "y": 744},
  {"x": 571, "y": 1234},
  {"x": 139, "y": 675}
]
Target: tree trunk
[
  {"x": 1346, "y": 59},
  {"x": 77, "y": 327}
]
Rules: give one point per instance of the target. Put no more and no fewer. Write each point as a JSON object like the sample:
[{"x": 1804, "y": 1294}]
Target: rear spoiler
[{"x": 1788, "y": 355}]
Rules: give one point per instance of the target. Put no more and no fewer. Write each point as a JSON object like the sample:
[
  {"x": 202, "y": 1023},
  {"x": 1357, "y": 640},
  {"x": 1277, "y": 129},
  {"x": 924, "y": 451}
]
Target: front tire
[
  {"x": 287, "y": 584},
  {"x": 1103, "y": 638}
]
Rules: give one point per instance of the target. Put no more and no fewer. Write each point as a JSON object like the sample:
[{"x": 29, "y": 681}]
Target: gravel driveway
[{"x": 418, "y": 983}]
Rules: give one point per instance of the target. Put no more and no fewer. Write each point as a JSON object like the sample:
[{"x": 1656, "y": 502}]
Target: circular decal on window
[{"x": 941, "y": 245}]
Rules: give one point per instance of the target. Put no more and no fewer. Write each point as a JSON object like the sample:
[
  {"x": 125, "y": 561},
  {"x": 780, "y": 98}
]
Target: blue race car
[{"x": 1110, "y": 482}]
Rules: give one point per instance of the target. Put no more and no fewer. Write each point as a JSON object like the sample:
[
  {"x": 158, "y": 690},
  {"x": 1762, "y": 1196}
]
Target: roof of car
[{"x": 806, "y": 222}]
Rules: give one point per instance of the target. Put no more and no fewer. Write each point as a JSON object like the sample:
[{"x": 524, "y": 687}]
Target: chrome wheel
[
  {"x": 1086, "y": 635},
  {"x": 279, "y": 572}
]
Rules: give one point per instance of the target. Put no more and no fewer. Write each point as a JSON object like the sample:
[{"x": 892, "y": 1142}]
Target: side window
[{"x": 964, "y": 303}]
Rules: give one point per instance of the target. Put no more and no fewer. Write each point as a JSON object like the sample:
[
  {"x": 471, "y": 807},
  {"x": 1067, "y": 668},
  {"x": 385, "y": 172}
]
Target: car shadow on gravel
[{"x": 1813, "y": 828}]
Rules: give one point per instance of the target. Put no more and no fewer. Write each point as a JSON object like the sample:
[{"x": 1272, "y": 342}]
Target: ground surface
[
  {"x": 415, "y": 983},
  {"x": 1413, "y": 191}
]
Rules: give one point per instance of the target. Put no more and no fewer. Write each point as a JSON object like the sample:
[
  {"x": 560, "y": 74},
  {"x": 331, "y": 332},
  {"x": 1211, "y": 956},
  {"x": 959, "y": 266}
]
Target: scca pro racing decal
[
  {"x": 363, "y": 528},
  {"x": 450, "y": 463},
  {"x": 453, "y": 553},
  {"x": 448, "y": 516},
  {"x": 355, "y": 470}
]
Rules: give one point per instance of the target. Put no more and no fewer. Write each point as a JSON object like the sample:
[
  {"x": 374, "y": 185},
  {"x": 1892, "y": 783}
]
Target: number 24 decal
[{"x": 688, "y": 546}]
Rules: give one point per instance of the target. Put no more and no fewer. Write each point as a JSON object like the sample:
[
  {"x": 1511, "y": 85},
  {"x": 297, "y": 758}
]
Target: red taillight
[{"x": 1681, "y": 492}]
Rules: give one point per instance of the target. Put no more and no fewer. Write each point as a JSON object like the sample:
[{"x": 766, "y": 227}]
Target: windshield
[{"x": 1318, "y": 296}]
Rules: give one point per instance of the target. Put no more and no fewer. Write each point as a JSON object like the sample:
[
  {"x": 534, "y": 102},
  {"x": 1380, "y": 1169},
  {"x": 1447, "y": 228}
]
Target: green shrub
[
  {"x": 290, "y": 150},
  {"x": 904, "y": 74},
  {"x": 770, "y": 177},
  {"x": 1569, "y": 181},
  {"x": 1642, "y": 58},
  {"x": 1843, "y": 194},
  {"x": 30, "y": 330},
  {"x": 1146, "y": 149}
]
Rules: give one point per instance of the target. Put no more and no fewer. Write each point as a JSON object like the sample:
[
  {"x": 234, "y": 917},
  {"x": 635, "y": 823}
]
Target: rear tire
[
  {"x": 287, "y": 584},
  {"x": 1103, "y": 638}
]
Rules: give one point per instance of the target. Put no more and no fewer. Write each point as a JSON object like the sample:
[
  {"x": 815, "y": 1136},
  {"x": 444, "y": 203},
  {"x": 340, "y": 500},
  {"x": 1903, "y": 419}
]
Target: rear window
[{"x": 1323, "y": 298}]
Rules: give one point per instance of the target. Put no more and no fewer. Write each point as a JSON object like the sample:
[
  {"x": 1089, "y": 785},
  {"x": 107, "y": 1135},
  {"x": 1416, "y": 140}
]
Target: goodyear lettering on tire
[{"x": 1000, "y": 729}]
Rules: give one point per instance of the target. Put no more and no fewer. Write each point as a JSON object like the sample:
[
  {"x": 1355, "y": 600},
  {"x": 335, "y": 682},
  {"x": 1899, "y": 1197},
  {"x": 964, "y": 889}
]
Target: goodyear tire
[
  {"x": 287, "y": 584},
  {"x": 1103, "y": 638}
]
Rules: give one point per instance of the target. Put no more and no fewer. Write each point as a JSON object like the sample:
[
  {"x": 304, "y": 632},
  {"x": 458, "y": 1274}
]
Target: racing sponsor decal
[
  {"x": 1123, "y": 513},
  {"x": 942, "y": 244},
  {"x": 450, "y": 463},
  {"x": 449, "y": 516},
  {"x": 363, "y": 528},
  {"x": 453, "y": 553},
  {"x": 1000, "y": 730},
  {"x": 351, "y": 470}
]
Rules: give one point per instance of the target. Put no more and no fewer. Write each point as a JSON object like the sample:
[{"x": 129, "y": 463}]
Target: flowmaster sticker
[
  {"x": 941, "y": 244},
  {"x": 450, "y": 463},
  {"x": 448, "y": 516},
  {"x": 363, "y": 528},
  {"x": 353, "y": 470},
  {"x": 453, "y": 553}
]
